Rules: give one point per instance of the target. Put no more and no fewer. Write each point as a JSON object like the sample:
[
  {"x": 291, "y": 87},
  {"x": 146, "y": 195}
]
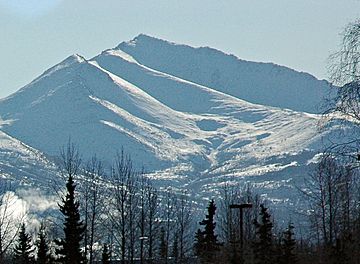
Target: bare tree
[
  {"x": 10, "y": 219},
  {"x": 147, "y": 224},
  {"x": 345, "y": 67},
  {"x": 132, "y": 216},
  {"x": 143, "y": 210},
  {"x": 329, "y": 191},
  {"x": 345, "y": 74},
  {"x": 70, "y": 161},
  {"x": 168, "y": 207},
  {"x": 92, "y": 202},
  {"x": 124, "y": 205},
  {"x": 69, "y": 165},
  {"x": 344, "y": 107},
  {"x": 184, "y": 220},
  {"x": 152, "y": 201}
]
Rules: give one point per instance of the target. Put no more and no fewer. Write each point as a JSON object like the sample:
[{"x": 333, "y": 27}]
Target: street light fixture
[{"x": 241, "y": 207}]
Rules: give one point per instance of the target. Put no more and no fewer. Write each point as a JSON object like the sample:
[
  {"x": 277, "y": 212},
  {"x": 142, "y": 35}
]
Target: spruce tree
[
  {"x": 263, "y": 246},
  {"x": 206, "y": 243},
  {"x": 175, "y": 249},
  {"x": 23, "y": 249},
  {"x": 69, "y": 247},
  {"x": 106, "y": 255},
  {"x": 43, "y": 253},
  {"x": 288, "y": 255},
  {"x": 163, "y": 245},
  {"x": 199, "y": 243}
]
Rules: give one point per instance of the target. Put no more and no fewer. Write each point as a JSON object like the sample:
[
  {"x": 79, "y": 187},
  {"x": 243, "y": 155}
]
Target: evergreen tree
[
  {"x": 206, "y": 244},
  {"x": 288, "y": 255},
  {"x": 263, "y": 246},
  {"x": 163, "y": 244},
  {"x": 23, "y": 249},
  {"x": 69, "y": 247},
  {"x": 337, "y": 254},
  {"x": 106, "y": 255},
  {"x": 175, "y": 249},
  {"x": 43, "y": 253},
  {"x": 199, "y": 243}
]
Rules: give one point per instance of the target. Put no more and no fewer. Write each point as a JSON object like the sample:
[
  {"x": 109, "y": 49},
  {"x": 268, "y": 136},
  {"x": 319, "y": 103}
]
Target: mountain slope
[
  {"x": 167, "y": 120},
  {"x": 232, "y": 115},
  {"x": 22, "y": 164},
  {"x": 93, "y": 108},
  {"x": 260, "y": 83},
  {"x": 187, "y": 131}
]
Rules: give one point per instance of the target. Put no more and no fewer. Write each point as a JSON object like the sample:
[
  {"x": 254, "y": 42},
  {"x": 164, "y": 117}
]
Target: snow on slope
[
  {"x": 187, "y": 133},
  {"x": 164, "y": 121},
  {"x": 96, "y": 110},
  {"x": 21, "y": 164},
  {"x": 261, "y": 83},
  {"x": 239, "y": 128}
]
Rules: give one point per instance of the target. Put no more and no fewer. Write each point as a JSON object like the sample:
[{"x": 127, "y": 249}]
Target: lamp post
[{"x": 241, "y": 207}]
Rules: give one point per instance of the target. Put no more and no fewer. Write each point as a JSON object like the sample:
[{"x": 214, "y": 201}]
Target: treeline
[
  {"x": 105, "y": 215},
  {"x": 247, "y": 232},
  {"x": 116, "y": 215}
]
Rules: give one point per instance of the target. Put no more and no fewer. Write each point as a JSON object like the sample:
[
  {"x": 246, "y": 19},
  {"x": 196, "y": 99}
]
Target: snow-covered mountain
[
  {"x": 194, "y": 117},
  {"x": 260, "y": 83}
]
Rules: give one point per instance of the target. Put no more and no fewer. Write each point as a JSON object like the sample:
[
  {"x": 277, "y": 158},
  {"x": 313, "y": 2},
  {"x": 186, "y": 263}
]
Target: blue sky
[{"x": 36, "y": 34}]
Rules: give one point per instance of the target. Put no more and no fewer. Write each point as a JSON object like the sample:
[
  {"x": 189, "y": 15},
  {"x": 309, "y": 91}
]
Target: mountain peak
[
  {"x": 74, "y": 58},
  {"x": 256, "y": 82},
  {"x": 69, "y": 61},
  {"x": 142, "y": 39}
]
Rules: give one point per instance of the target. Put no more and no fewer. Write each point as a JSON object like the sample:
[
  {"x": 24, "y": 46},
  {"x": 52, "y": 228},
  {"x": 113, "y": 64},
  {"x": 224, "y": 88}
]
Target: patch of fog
[
  {"x": 37, "y": 201},
  {"x": 25, "y": 206}
]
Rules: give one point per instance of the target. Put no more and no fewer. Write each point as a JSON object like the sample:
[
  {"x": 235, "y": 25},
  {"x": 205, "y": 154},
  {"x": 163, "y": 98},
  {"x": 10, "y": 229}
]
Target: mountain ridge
[
  {"x": 185, "y": 133},
  {"x": 155, "y": 53}
]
